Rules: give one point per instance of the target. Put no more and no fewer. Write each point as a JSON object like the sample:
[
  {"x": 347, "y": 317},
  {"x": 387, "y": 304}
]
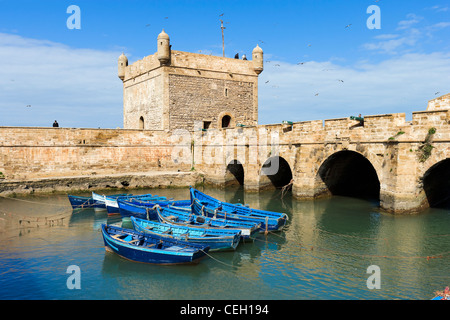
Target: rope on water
[
  {"x": 35, "y": 202},
  {"x": 215, "y": 259}
]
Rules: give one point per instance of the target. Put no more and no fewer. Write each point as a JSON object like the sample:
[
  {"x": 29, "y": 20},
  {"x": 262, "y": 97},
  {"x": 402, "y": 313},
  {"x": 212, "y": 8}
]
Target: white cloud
[
  {"x": 313, "y": 91},
  {"x": 440, "y": 25},
  {"x": 77, "y": 87},
  {"x": 412, "y": 19},
  {"x": 438, "y": 8}
]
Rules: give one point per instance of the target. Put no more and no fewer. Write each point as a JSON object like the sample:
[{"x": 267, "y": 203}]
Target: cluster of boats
[{"x": 168, "y": 231}]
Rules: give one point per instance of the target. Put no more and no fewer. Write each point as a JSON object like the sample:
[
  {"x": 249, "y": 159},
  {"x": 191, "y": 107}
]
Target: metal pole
[{"x": 223, "y": 41}]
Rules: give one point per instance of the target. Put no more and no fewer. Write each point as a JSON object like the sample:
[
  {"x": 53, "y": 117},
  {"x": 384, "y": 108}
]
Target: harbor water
[{"x": 338, "y": 248}]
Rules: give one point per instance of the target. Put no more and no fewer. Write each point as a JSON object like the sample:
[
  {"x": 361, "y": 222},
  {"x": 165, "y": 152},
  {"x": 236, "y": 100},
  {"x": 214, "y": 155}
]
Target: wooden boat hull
[
  {"x": 216, "y": 239},
  {"x": 145, "y": 248},
  {"x": 112, "y": 207},
  {"x": 267, "y": 223},
  {"x": 182, "y": 218},
  {"x": 128, "y": 209},
  {"x": 204, "y": 204},
  {"x": 79, "y": 202}
]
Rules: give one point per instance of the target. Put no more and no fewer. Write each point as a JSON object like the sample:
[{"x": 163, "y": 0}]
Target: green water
[{"x": 323, "y": 253}]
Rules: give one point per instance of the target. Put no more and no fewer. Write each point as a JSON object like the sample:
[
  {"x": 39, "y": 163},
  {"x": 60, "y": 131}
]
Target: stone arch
[
  {"x": 275, "y": 173},
  {"x": 234, "y": 174},
  {"x": 436, "y": 184},
  {"x": 227, "y": 119},
  {"x": 347, "y": 173}
]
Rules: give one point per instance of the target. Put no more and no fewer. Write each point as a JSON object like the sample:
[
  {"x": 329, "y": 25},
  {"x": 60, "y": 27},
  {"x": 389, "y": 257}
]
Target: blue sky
[{"x": 346, "y": 68}]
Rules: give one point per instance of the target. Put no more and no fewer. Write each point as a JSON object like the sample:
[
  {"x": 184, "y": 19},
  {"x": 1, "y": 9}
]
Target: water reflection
[{"x": 323, "y": 253}]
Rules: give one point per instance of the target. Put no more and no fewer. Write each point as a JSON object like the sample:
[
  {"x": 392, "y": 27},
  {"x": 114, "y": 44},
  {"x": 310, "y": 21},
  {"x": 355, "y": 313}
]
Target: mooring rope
[
  {"x": 35, "y": 202},
  {"x": 226, "y": 264}
]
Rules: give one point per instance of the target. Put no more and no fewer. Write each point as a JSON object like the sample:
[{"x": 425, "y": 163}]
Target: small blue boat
[
  {"x": 150, "y": 248},
  {"x": 130, "y": 208},
  {"x": 80, "y": 202},
  {"x": 112, "y": 206},
  {"x": 203, "y": 204},
  {"x": 186, "y": 217},
  {"x": 216, "y": 239}
]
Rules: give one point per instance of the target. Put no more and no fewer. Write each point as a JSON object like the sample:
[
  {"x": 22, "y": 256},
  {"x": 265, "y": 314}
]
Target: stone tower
[
  {"x": 163, "y": 48},
  {"x": 180, "y": 90},
  {"x": 122, "y": 64}
]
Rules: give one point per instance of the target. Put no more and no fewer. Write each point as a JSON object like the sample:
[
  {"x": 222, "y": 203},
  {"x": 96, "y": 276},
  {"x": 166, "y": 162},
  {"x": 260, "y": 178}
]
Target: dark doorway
[
  {"x": 436, "y": 184},
  {"x": 348, "y": 173},
  {"x": 278, "y": 171},
  {"x": 235, "y": 173}
]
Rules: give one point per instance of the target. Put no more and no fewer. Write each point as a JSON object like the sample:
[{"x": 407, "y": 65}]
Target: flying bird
[
  {"x": 348, "y": 26},
  {"x": 317, "y": 94},
  {"x": 340, "y": 80},
  {"x": 28, "y": 105},
  {"x": 221, "y": 15},
  {"x": 436, "y": 93}
]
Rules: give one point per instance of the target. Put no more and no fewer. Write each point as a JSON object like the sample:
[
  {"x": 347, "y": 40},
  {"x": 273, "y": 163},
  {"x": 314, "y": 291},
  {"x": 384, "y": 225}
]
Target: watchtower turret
[
  {"x": 257, "y": 57},
  {"x": 163, "y": 48},
  {"x": 122, "y": 64}
]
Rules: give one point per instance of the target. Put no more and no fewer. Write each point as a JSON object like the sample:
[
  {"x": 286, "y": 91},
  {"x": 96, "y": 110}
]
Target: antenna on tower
[{"x": 223, "y": 41}]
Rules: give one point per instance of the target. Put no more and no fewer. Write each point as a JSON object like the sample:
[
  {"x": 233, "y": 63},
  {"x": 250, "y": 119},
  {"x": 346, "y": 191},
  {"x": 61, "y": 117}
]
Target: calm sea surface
[{"x": 323, "y": 253}]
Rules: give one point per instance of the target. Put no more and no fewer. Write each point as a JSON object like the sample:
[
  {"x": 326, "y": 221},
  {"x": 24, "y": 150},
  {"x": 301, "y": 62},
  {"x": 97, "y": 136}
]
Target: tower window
[
  {"x": 226, "y": 121},
  {"x": 141, "y": 123},
  {"x": 226, "y": 92},
  {"x": 206, "y": 124}
]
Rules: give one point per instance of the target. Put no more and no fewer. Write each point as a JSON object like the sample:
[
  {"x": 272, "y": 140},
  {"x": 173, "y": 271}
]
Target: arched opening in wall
[
  {"x": 275, "y": 172},
  {"x": 226, "y": 121},
  {"x": 348, "y": 173},
  {"x": 234, "y": 175},
  {"x": 141, "y": 123},
  {"x": 436, "y": 184}
]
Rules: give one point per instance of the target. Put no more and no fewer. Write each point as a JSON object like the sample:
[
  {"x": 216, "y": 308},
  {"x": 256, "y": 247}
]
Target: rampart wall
[{"x": 392, "y": 146}]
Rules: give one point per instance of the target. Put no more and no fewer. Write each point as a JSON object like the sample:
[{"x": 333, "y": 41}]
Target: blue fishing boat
[
  {"x": 179, "y": 217},
  {"x": 80, "y": 202},
  {"x": 266, "y": 223},
  {"x": 130, "y": 208},
  {"x": 112, "y": 206},
  {"x": 181, "y": 204},
  {"x": 204, "y": 204},
  {"x": 150, "y": 248},
  {"x": 100, "y": 199},
  {"x": 216, "y": 239}
]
